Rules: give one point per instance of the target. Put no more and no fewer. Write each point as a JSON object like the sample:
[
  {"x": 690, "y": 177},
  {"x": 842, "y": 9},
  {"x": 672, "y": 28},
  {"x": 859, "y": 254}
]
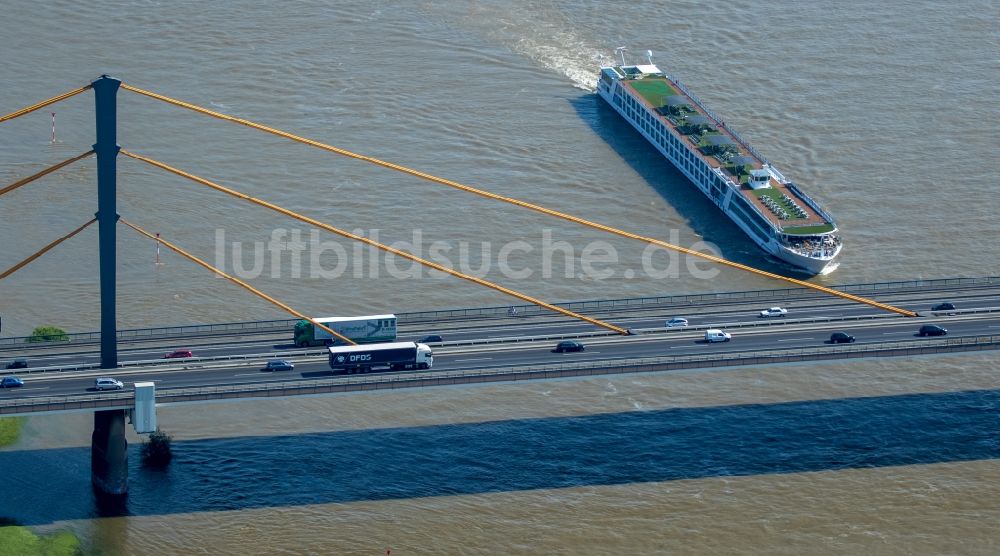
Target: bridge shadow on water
[
  {"x": 700, "y": 214},
  {"x": 43, "y": 486}
]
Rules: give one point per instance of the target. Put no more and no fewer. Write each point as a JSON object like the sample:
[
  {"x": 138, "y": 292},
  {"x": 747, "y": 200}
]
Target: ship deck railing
[
  {"x": 778, "y": 175},
  {"x": 718, "y": 120},
  {"x": 809, "y": 201},
  {"x": 814, "y": 248}
]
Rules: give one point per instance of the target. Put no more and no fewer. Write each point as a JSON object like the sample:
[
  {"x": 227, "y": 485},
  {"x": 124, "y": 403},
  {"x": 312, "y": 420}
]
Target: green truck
[{"x": 369, "y": 329}]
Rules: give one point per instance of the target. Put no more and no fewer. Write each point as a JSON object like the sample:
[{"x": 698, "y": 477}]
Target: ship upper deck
[{"x": 708, "y": 137}]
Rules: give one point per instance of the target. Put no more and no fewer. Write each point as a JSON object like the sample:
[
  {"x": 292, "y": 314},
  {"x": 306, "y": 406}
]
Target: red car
[{"x": 179, "y": 354}]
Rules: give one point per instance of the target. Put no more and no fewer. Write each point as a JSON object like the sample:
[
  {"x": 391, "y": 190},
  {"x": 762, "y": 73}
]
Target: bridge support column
[{"x": 109, "y": 453}]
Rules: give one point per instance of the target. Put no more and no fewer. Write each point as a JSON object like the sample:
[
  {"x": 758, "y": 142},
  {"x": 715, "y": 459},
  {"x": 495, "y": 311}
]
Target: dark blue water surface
[{"x": 42, "y": 486}]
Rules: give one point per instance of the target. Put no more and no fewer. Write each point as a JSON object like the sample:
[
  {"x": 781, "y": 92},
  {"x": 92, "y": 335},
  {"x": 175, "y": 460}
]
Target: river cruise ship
[{"x": 774, "y": 212}]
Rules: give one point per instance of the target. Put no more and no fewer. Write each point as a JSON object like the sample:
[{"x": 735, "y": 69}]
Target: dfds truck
[{"x": 394, "y": 356}]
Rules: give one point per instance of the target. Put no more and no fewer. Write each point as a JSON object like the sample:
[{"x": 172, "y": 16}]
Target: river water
[{"x": 884, "y": 113}]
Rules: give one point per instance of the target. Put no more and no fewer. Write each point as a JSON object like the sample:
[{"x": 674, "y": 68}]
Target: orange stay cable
[
  {"x": 44, "y": 172},
  {"x": 394, "y": 251},
  {"x": 43, "y": 104},
  {"x": 235, "y": 280},
  {"x": 44, "y": 250}
]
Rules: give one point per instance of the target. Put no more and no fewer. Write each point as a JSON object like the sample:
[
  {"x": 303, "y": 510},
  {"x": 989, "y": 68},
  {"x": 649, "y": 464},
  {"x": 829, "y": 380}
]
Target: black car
[
  {"x": 931, "y": 330},
  {"x": 278, "y": 365},
  {"x": 18, "y": 364},
  {"x": 568, "y": 346},
  {"x": 946, "y": 306},
  {"x": 841, "y": 338},
  {"x": 432, "y": 339}
]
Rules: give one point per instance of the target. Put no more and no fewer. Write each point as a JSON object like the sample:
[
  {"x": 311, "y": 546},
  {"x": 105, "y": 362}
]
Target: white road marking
[
  {"x": 61, "y": 356},
  {"x": 474, "y": 359},
  {"x": 794, "y": 339},
  {"x": 891, "y": 333}
]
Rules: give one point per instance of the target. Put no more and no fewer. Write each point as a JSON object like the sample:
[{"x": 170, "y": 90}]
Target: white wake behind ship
[{"x": 778, "y": 216}]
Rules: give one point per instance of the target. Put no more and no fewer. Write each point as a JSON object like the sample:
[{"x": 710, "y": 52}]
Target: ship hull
[{"x": 811, "y": 265}]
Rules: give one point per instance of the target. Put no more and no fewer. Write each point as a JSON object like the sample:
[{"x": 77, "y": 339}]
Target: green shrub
[
  {"x": 48, "y": 334},
  {"x": 156, "y": 450}
]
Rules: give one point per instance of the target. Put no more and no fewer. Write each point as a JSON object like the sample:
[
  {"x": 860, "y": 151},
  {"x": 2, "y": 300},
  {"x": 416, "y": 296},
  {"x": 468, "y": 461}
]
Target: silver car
[{"x": 108, "y": 383}]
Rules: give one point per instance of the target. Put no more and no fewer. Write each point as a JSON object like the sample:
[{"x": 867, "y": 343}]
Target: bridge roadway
[
  {"x": 600, "y": 349},
  {"x": 744, "y": 311}
]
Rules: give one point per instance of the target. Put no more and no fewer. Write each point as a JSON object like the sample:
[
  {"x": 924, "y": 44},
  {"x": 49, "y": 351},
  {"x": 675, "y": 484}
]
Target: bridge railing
[
  {"x": 243, "y": 358},
  {"x": 557, "y": 370},
  {"x": 418, "y": 317},
  {"x": 751, "y": 295}
]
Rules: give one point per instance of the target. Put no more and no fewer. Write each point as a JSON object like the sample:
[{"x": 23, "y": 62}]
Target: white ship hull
[{"x": 817, "y": 263}]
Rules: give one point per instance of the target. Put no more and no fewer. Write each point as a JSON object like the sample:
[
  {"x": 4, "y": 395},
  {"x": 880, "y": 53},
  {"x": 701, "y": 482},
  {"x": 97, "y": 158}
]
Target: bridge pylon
[{"x": 106, "y": 149}]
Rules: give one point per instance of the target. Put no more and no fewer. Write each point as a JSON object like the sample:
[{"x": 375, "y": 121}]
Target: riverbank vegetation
[
  {"x": 10, "y": 432},
  {"x": 16, "y": 539}
]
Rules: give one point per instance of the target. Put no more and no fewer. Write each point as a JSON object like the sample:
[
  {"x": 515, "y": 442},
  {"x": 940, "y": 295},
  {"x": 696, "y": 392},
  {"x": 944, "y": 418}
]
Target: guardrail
[
  {"x": 419, "y": 317},
  {"x": 353, "y": 383},
  {"x": 758, "y": 323},
  {"x": 771, "y": 294},
  {"x": 185, "y": 362}
]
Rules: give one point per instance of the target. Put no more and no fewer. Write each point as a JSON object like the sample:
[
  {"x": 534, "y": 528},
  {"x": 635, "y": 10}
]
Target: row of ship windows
[
  {"x": 739, "y": 207},
  {"x": 655, "y": 128},
  {"x": 681, "y": 155}
]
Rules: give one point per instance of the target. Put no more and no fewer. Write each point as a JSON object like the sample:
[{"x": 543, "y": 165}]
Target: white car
[
  {"x": 715, "y": 335},
  {"x": 676, "y": 321},
  {"x": 773, "y": 312}
]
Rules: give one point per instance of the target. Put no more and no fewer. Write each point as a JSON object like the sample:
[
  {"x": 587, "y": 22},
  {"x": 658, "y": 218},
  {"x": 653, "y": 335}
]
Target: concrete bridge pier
[{"x": 109, "y": 453}]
